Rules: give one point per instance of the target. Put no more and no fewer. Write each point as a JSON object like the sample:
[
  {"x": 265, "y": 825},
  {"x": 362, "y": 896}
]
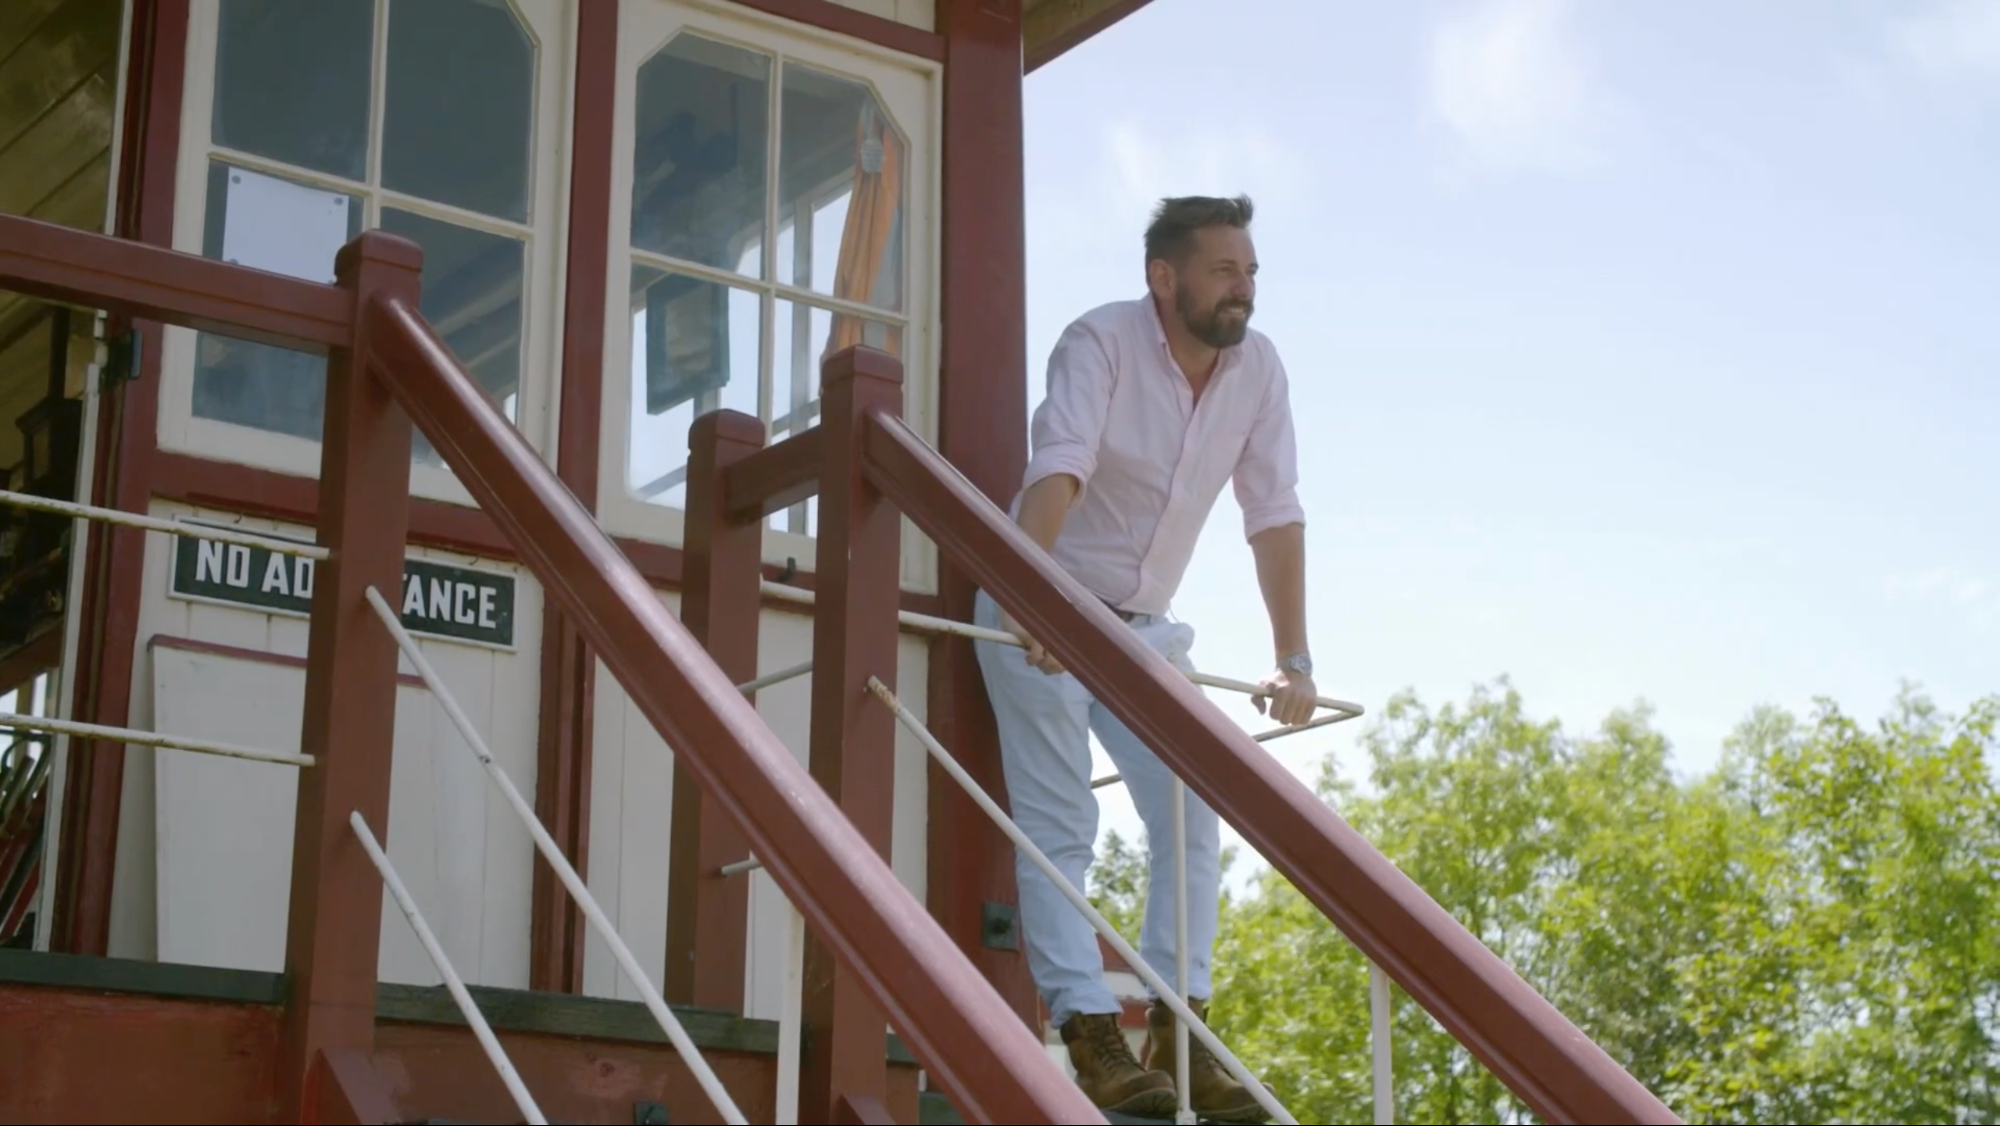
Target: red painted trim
[
  {"x": 1046, "y": 51},
  {"x": 260, "y": 656},
  {"x": 114, "y": 565},
  {"x": 828, "y": 16},
  {"x": 206, "y": 483},
  {"x": 563, "y": 740},
  {"x": 983, "y": 430}
]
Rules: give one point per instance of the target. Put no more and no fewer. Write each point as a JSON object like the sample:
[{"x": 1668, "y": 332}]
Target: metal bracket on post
[
  {"x": 121, "y": 361},
  {"x": 999, "y": 926}
]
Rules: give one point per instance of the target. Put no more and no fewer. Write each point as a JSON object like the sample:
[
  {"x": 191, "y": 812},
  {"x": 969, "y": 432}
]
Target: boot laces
[{"x": 1108, "y": 1041}]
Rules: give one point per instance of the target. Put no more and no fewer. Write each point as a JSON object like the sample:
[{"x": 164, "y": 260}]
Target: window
[
  {"x": 727, "y": 130},
  {"x": 309, "y": 121}
]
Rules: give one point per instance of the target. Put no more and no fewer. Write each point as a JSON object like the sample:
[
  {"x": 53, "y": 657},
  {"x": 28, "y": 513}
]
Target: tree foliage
[{"x": 1808, "y": 934}]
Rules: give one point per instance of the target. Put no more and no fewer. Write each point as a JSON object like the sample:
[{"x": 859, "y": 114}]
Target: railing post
[
  {"x": 721, "y": 602},
  {"x": 335, "y": 928},
  {"x": 853, "y": 736}
]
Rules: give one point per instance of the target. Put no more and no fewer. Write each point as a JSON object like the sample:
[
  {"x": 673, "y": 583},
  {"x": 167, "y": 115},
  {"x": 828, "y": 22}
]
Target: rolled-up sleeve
[
  {"x": 1069, "y": 424},
  {"x": 1267, "y": 473}
]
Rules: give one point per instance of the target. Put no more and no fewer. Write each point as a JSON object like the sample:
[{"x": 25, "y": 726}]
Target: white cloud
[
  {"x": 1956, "y": 39},
  {"x": 1515, "y": 82}
]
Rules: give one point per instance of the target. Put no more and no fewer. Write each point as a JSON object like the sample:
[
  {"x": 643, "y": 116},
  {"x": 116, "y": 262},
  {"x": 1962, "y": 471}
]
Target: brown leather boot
[
  {"x": 1216, "y": 1097},
  {"x": 1107, "y": 1072}
]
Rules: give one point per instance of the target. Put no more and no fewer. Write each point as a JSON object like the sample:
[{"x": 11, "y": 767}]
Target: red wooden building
[{"x": 371, "y": 337}]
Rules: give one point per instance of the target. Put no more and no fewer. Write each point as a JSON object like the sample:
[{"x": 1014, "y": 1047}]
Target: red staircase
[{"x": 321, "y": 1052}]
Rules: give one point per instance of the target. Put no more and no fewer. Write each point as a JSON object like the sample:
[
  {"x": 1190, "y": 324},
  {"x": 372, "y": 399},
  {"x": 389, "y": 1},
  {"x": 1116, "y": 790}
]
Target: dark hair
[{"x": 1171, "y": 233}]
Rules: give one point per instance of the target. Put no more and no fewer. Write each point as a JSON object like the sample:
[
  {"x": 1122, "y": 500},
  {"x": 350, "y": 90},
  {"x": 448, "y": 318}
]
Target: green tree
[{"x": 1809, "y": 934}]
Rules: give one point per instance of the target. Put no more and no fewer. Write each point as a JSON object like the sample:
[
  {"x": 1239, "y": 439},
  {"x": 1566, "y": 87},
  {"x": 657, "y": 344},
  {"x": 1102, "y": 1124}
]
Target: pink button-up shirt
[{"x": 1120, "y": 418}]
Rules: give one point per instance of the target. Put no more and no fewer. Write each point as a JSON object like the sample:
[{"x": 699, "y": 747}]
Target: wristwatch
[{"x": 1300, "y": 663}]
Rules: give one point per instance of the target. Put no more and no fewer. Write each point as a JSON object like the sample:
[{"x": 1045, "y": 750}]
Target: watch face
[{"x": 1301, "y": 664}]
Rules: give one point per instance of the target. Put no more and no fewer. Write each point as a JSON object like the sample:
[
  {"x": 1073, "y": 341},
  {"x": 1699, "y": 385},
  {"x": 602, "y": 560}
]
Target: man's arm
[
  {"x": 1281, "y": 574},
  {"x": 1066, "y": 431},
  {"x": 1267, "y": 478},
  {"x": 1043, "y": 508}
]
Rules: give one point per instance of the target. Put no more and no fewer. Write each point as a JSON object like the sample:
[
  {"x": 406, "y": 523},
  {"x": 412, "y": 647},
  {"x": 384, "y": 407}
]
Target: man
[{"x": 1152, "y": 405}]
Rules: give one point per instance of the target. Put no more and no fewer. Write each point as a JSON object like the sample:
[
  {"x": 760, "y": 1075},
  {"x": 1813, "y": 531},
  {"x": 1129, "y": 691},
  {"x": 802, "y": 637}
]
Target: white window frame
[
  {"x": 551, "y": 26},
  {"x": 911, "y": 90}
]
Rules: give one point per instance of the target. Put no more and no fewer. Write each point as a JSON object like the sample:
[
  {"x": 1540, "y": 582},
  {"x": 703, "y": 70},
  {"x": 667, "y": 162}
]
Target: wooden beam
[
  {"x": 333, "y": 934},
  {"x": 344, "y": 1090},
  {"x": 563, "y": 742},
  {"x": 132, "y": 279},
  {"x": 853, "y": 739},
  {"x": 775, "y": 478},
  {"x": 127, "y": 434},
  {"x": 708, "y": 913},
  {"x": 983, "y": 432}
]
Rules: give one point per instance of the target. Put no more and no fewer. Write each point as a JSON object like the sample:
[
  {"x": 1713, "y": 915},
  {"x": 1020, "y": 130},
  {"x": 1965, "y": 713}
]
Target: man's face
[{"x": 1215, "y": 290}]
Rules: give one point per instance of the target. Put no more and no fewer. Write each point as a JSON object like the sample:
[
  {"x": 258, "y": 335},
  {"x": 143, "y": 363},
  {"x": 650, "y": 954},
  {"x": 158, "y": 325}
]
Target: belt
[{"x": 1125, "y": 616}]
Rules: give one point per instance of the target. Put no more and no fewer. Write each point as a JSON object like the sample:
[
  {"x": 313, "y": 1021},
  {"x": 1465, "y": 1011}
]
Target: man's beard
[{"x": 1212, "y": 328}]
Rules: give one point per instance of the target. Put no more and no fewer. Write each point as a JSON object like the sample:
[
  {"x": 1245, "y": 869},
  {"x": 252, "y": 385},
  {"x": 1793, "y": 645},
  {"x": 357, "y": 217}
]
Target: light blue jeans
[{"x": 1045, "y": 724}]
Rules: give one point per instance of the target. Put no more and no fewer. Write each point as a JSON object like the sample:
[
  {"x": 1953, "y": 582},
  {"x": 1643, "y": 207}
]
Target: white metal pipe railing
[
  {"x": 1378, "y": 1044},
  {"x": 155, "y": 524},
  {"x": 148, "y": 739},
  {"x": 791, "y": 1017},
  {"x": 705, "y": 1075},
  {"x": 481, "y": 1031},
  {"x": 1167, "y": 995},
  {"x": 928, "y": 623},
  {"x": 1183, "y": 1081}
]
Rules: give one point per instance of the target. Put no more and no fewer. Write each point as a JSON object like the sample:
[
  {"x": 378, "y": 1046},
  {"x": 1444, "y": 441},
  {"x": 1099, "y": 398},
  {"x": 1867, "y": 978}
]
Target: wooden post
[
  {"x": 332, "y": 944},
  {"x": 983, "y": 429},
  {"x": 342, "y": 1089},
  {"x": 708, "y": 914},
  {"x": 853, "y": 735}
]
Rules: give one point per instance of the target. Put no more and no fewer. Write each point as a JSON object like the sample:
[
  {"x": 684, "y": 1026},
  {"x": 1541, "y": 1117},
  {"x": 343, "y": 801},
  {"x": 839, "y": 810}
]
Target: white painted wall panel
[
  {"x": 632, "y": 802},
  {"x": 204, "y": 846},
  {"x": 920, "y": 14}
]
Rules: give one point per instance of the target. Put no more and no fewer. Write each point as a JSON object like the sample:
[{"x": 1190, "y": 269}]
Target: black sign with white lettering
[{"x": 437, "y": 599}]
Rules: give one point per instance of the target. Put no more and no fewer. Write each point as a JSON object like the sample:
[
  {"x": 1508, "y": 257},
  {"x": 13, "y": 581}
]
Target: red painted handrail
[
  {"x": 74, "y": 267},
  {"x": 950, "y": 1016},
  {"x": 1539, "y": 1054}
]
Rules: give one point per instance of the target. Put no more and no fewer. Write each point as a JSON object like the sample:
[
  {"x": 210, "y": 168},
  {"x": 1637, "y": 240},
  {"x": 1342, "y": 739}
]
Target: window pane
[
  {"x": 459, "y": 124},
  {"x": 472, "y": 297},
  {"x": 805, "y": 336},
  {"x": 841, "y": 172},
  {"x": 694, "y": 350},
  {"x": 292, "y": 82},
  {"x": 287, "y": 228},
  {"x": 699, "y": 168}
]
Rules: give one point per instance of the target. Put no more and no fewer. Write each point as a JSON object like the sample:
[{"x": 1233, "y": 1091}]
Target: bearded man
[{"x": 1152, "y": 405}]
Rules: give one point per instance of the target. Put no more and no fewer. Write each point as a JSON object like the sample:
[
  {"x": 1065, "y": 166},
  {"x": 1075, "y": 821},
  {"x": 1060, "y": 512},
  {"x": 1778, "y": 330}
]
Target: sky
[{"x": 1638, "y": 352}]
